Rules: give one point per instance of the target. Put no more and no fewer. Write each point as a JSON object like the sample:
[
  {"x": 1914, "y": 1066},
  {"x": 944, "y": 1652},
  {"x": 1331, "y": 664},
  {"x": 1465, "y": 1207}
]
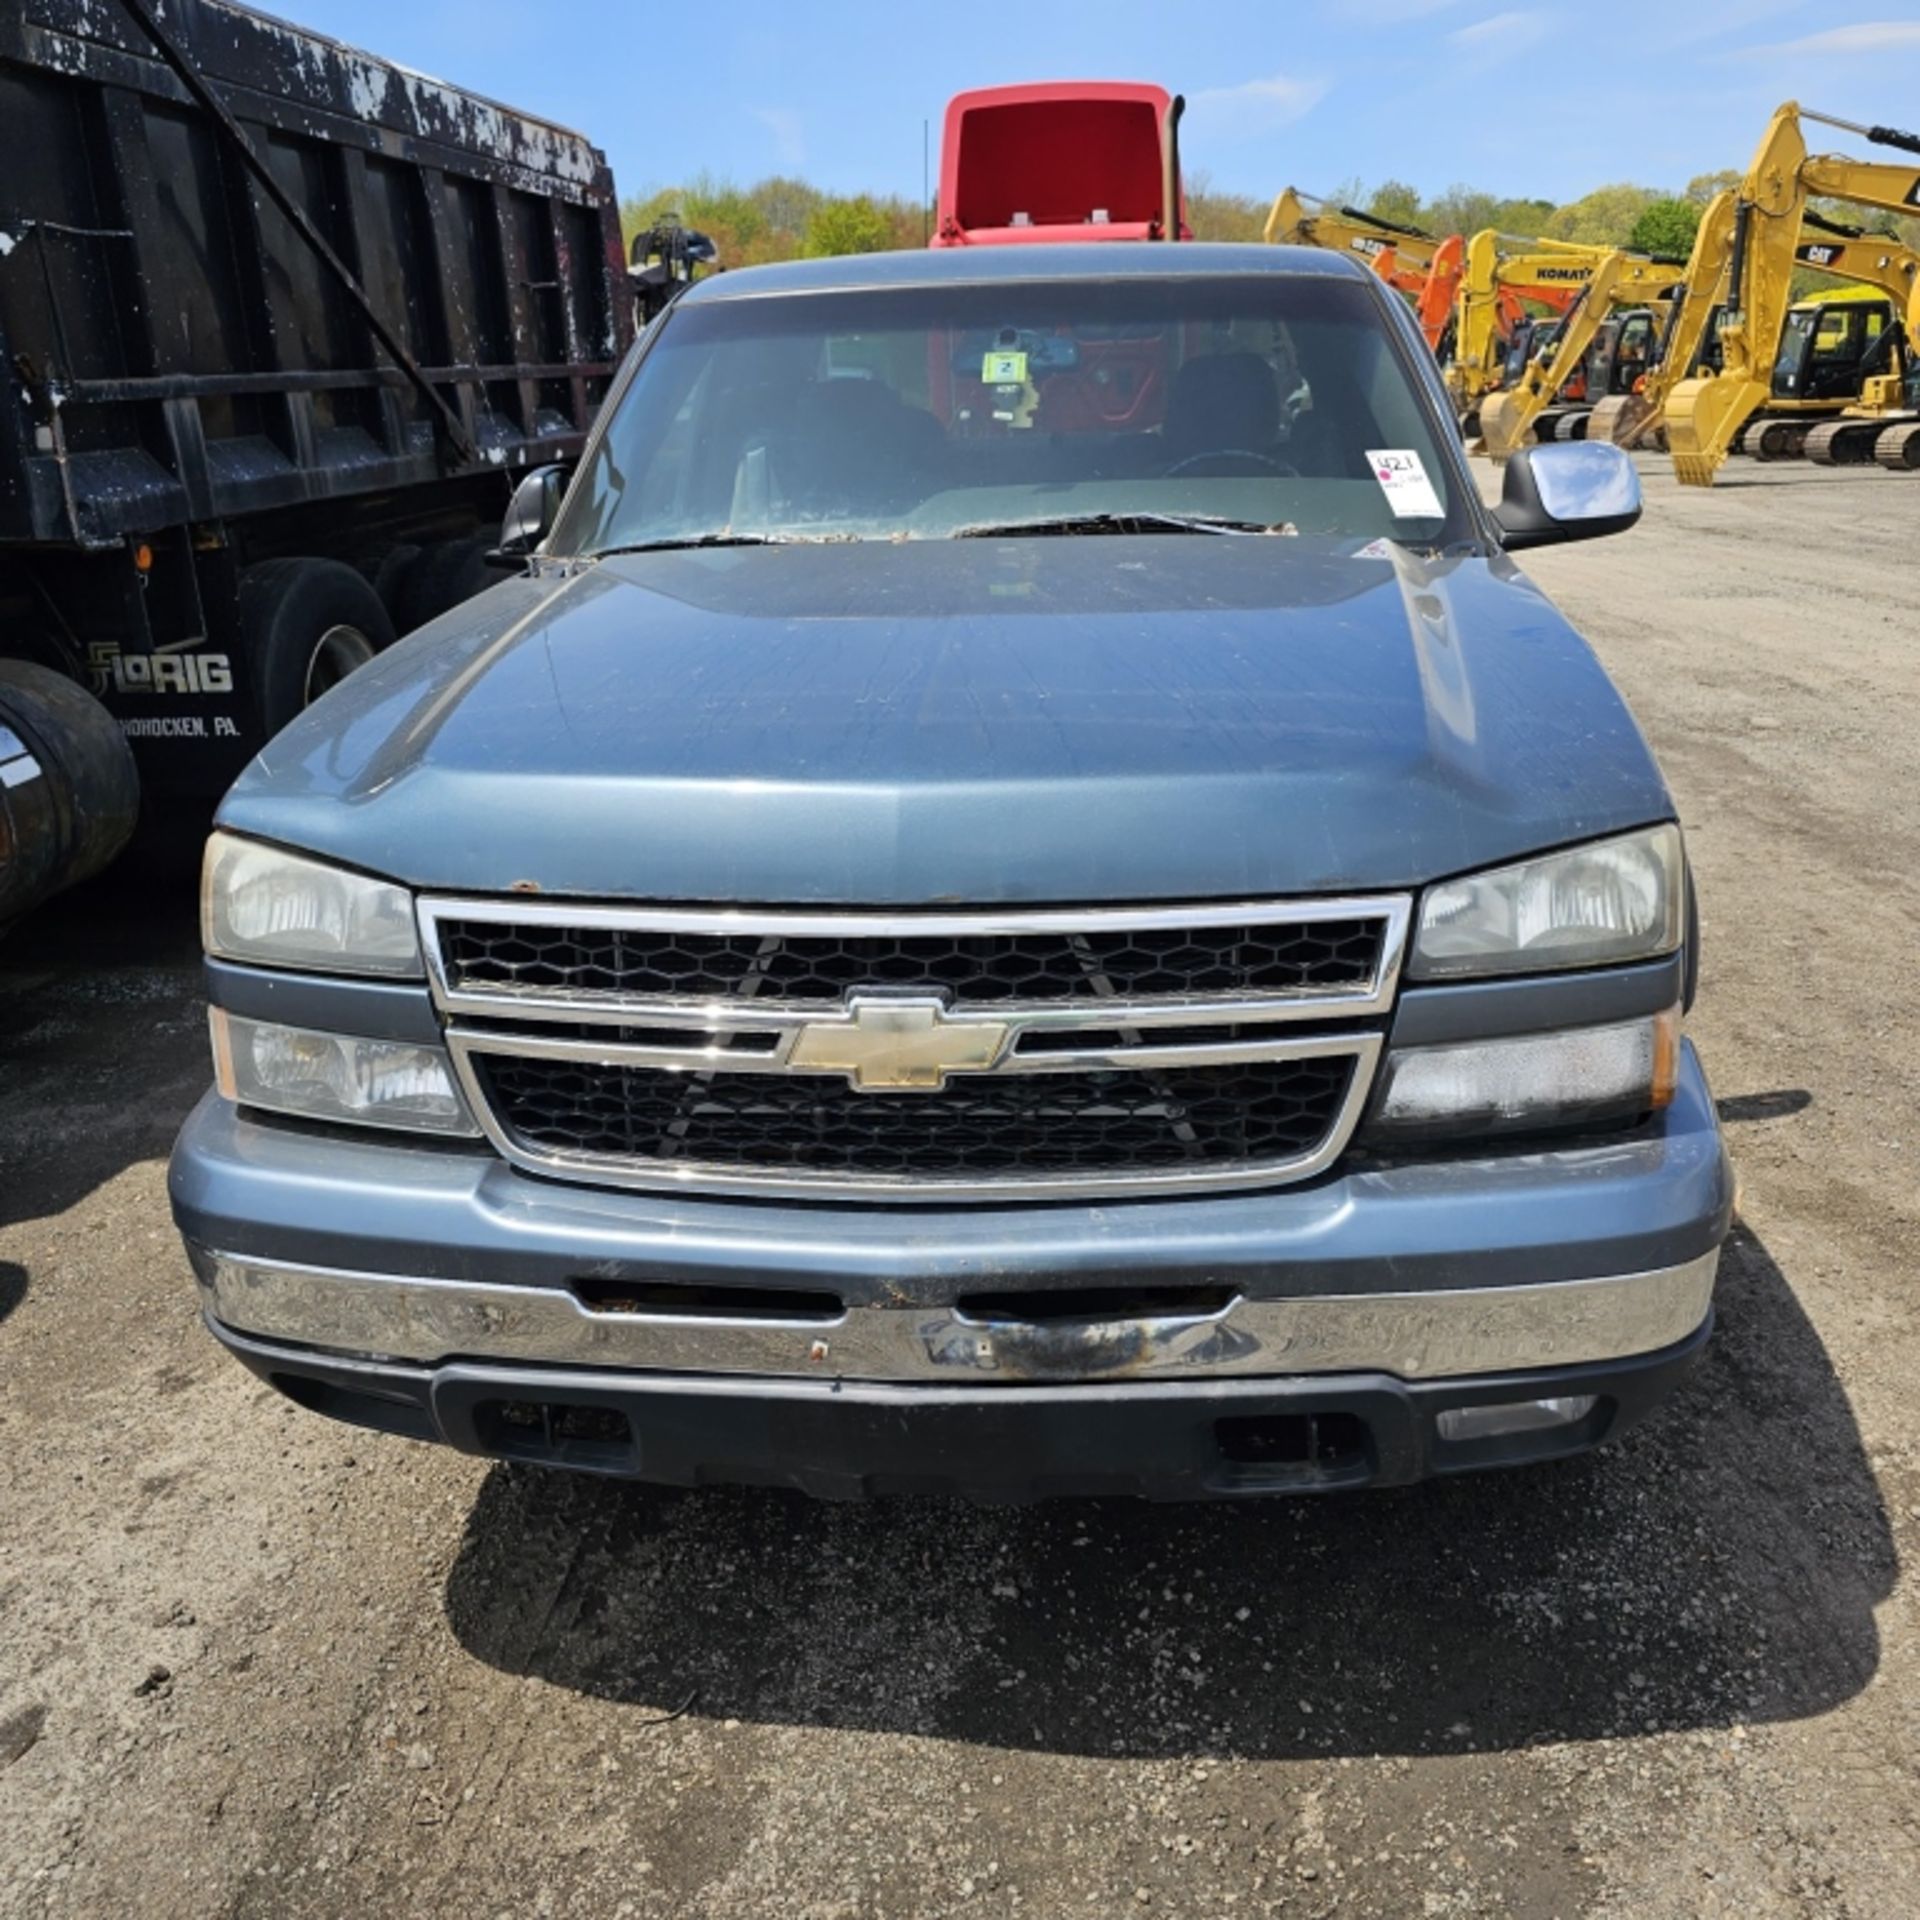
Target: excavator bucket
[
  {"x": 1700, "y": 425},
  {"x": 1497, "y": 425},
  {"x": 1621, "y": 418}
]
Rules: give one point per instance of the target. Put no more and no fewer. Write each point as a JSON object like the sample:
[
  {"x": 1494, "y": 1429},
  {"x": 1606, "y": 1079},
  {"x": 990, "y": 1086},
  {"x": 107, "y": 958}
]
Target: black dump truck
[{"x": 279, "y": 324}]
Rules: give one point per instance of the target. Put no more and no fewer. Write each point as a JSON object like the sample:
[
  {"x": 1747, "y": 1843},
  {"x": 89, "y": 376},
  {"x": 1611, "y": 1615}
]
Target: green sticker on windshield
[{"x": 1003, "y": 369}]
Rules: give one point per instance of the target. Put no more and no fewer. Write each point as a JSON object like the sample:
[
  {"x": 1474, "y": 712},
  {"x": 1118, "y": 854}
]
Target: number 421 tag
[{"x": 1410, "y": 494}]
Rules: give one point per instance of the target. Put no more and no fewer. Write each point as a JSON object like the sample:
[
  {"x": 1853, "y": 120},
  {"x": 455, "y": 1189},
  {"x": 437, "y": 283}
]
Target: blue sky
[{"x": 1548, "y": 99}]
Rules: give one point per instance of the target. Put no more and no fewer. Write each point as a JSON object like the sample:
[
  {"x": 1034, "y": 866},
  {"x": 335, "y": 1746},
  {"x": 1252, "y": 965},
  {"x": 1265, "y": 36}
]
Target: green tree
[
  {"x": 1603, "y": 217},
  {"x": 1396, "y": 201},
  {"x": 1464, "y": 209},
  {"x": 1666, "y": 226},
  {"x": 777, "y": 218},
  {"x": 718, "y": 208},
  {"x": 1222, "y": 216},
  {"x": 855, "y": 225},
  {"x": 1703, "y": 186},
  {"x": 788, "y": 205}
]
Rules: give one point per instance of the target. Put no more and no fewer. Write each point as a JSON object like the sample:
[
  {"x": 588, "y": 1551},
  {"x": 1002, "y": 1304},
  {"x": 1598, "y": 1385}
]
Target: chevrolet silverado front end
[{"x": 1021, "y": 899}]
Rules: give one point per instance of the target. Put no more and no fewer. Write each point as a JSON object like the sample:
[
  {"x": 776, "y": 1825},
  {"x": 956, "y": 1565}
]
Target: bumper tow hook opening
[
  {"x": 556, "y": 1433},
  {"x": 1295, "y": 1449}
]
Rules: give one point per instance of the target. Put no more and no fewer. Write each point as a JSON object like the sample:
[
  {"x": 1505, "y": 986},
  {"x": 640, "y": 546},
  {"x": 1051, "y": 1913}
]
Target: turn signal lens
[
  {"x": 1579, "y": 1077},
  {"x": 336, "y": 1076}
]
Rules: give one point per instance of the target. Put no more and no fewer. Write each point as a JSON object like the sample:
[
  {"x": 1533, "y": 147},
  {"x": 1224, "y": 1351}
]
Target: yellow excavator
[
  {"x": 1879, "y": 353},
  {"x": 1425, "y": 267},
  {"x": 1827, "y": 347},
  {"x": 1706, "y": 410},
  {"x": 1848, "y": 356},
  {"x": 1496, "y": 268},
  {"x": 1401, "y": 255},
  {"x": 1616, "y": 297},
  {"x": 1690, "y": 338}
]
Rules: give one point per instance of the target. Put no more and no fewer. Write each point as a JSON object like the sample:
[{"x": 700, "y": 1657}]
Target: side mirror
[
  {"x": 531, "y": 512},
  {"x": 1566, "y": 490}
]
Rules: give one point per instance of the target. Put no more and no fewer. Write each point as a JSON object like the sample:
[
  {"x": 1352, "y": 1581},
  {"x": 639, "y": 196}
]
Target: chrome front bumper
[{"x": 1429, "y": 1335}]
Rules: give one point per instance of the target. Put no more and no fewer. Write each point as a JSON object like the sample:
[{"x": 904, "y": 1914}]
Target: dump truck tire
[
  {"x": 69, "y": 793},
  {"x": 308, "y": 624},
  {"x": 445, "y": 574},
  {"x": 390, "y": 579}
]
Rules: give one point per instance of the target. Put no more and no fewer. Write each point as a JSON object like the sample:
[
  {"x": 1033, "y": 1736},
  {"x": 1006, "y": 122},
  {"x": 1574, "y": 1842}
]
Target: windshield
[
  {"x": 1825, "y": 339},
  {"x": 1246, "y": 402},
  {"x": 1791, "y": 358}
]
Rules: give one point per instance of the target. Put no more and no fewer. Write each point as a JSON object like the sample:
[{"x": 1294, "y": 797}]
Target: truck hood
[{"x": 979, "y": 721}]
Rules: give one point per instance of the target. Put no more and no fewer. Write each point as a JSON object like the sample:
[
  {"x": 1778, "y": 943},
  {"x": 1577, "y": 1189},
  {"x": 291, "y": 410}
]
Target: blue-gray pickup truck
[{"x": 1019, "y": 896}]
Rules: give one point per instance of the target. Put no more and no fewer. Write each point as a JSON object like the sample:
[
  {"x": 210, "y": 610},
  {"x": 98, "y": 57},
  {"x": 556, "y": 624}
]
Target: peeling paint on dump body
[
  {"x": 406, "y": 375},
  {"x": 385, "y": 94}
]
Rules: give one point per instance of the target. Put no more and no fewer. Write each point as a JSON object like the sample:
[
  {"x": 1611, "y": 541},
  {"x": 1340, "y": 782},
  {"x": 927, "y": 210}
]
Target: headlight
[
  {"x": 1592, "y": 906},
  {"x": 335, "y": 1076},
  {"x": 1584, "y": 1076},
  {"x": 278, "y": 909}
]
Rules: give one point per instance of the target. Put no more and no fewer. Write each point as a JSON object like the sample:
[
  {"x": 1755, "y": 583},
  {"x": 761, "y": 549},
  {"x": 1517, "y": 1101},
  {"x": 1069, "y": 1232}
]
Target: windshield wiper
[
  {"x": 1140, "y": 522},
  {"x": 686, "y": 540}
]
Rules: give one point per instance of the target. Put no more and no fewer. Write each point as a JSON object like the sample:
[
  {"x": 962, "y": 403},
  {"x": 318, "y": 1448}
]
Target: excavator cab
[
  {"x": 1827, "y": 348},
  {"x": 1623, "y": 349},
  {"x": 1531, "y": 336}
]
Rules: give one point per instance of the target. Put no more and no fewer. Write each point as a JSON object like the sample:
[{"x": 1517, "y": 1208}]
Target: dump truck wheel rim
[{"x": 335, "y": 654}]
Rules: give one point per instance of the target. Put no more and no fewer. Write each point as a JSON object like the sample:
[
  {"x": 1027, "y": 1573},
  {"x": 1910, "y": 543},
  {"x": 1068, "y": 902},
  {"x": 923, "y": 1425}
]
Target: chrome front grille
[
  {"x": 918, "y": 1056},
  {"x": 1131, "y": 962},
  {"x": 980, "y": 1126}
]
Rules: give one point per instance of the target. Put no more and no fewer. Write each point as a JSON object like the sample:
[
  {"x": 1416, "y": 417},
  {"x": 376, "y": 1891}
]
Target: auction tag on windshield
[
  {"x": 1404, "y": 481},
  {"x": 1003, "y": 369}
]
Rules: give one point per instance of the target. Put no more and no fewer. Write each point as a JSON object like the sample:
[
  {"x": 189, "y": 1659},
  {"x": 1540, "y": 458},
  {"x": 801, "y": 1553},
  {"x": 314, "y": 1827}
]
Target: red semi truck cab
[{"x": 1058, "y": 160}]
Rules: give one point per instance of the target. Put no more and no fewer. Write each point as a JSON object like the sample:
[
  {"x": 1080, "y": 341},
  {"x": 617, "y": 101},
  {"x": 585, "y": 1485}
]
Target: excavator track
[
  {"x": 1777, "y": 439},
  {"x": 1898, "y": 447},
  {"x": 1575, "y": 423},
  {"x": 1844, "y": 443}
]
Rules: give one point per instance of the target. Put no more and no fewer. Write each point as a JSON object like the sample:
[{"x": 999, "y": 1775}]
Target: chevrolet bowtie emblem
[{"x": 891, "y": 1043}]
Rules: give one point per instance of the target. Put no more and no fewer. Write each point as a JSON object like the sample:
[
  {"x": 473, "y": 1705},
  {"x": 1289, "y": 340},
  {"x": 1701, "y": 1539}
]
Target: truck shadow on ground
[
  {"x": 1720, "y": 1565},
  {"x": 103, "y": 1040},
  {"x": 13, "y": 1286}
]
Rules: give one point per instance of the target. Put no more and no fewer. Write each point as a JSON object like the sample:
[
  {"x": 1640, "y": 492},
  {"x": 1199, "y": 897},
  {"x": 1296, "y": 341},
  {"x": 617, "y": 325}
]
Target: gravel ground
[{"x": 252, "y": 1663}]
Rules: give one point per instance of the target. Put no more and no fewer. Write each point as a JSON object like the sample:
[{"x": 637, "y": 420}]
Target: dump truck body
[{"x": 267, "y": 302}]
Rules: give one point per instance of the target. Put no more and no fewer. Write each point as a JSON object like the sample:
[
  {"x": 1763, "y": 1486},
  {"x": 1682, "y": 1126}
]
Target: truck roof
[{"x": 933, "y": 267}]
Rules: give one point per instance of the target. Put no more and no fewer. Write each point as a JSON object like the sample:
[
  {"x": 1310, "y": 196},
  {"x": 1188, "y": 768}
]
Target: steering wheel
[{"x": 1259, "y": 462}]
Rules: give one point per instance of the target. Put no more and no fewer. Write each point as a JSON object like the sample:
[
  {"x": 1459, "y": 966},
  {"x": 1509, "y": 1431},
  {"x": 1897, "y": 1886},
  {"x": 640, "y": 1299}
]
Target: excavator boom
[
  {"x": 1402, "y": 256},
  {"x": 1625, "y": 419},
  {"x": 1619, "y": 279},
  {"x": 1496, "y": 271},
  {"x": 1706, "y": 411},
  {"x": 1871, "y": 260}
]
